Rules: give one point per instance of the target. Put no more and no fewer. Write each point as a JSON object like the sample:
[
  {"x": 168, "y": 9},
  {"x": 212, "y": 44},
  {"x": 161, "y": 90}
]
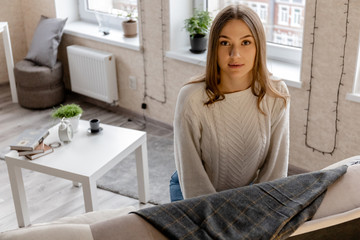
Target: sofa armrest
[
  {"x": 67, "y": 228},
  {"x": 130, "y": 226},
  {"x": 328, "y": 221},
  {"x": 50, "y": 231},
  {"x": 341, "y": 202},
  {"x": 96, "y": 216}
]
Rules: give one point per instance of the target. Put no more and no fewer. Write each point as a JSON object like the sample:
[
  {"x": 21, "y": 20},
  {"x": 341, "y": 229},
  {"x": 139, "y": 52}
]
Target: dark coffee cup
[{"x": 94, "y": 125}]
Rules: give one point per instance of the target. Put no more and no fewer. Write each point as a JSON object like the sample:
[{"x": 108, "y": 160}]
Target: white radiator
[{"x": 93, "y": 73}]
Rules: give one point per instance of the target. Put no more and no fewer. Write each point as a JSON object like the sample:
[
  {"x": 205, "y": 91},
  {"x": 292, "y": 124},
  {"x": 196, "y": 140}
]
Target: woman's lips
[{"x": 235, "y": 65}]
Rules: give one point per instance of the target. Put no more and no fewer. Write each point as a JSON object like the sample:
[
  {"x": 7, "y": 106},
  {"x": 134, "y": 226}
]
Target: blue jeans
[{"x": 175, "y": 190}]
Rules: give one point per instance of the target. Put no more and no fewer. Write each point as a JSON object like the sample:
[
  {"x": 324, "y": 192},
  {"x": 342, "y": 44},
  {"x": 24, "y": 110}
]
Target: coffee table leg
[
  {"x": 90, "y": 198},
  {"x": 142, "y": 172},
  {"x": 18, "y": 192}
]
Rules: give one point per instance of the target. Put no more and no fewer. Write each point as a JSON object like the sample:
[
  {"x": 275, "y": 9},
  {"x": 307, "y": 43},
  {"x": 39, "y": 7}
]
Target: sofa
[{"x": 337, "y": 217}]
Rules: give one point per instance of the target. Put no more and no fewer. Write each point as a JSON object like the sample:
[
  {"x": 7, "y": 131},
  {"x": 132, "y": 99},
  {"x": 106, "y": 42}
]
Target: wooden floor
[{"x": 50, "y": 198}]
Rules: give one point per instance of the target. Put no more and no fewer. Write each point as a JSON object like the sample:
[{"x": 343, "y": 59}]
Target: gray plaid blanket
[{"x": 271, "y": 210}]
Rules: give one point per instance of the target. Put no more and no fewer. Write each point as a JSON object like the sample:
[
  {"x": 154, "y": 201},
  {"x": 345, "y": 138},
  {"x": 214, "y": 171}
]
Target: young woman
[{"x": 231, "y": 125}]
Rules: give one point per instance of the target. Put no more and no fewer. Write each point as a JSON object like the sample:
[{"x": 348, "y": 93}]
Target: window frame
[
  {"x": 87, "y": 15},
  {"x": 356, "y": 88},
  {"x": 354, "y": 96}
]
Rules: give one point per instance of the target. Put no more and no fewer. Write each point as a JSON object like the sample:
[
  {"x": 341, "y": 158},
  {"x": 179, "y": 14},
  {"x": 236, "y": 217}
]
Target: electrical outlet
[{"x": 132, "y": 82}]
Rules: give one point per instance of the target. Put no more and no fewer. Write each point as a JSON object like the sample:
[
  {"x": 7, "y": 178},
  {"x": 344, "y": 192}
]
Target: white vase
[{"x": 74, "y": 121}]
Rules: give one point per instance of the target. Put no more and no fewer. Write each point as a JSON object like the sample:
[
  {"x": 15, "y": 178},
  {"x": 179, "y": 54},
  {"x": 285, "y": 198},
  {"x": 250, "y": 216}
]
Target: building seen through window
[{"x": 283, "y": 19}]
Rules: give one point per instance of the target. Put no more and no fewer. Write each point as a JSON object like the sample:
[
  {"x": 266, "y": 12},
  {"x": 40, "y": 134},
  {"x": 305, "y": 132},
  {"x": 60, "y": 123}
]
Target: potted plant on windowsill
[
  {"x": 130, "y": 25},
  {"x": 198, "y": 26},
  {"x": 71, "y": 112}
]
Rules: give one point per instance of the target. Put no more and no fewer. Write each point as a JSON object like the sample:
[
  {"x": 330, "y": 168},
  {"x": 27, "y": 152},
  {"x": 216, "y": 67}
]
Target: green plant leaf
[
  {"x": 67, "y": 111},
  {"x": 199, "y": 23}
]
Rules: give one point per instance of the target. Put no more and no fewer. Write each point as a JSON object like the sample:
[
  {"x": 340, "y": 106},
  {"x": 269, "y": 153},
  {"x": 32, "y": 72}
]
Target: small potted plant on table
[
  {"x": 198, "y": 26},
  {"x": 71, "y": 112}
]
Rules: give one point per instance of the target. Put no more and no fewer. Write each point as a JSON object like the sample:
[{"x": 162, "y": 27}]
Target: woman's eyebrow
[{"x": 246, "y": 36}]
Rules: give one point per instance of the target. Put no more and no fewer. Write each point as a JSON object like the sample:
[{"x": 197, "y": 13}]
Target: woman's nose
[{"x": 234, "y": 52}]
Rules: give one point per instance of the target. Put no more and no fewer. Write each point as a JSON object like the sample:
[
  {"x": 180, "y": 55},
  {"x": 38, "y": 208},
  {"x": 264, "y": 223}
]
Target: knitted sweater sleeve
[
  {"x": 193, "y": 178},
  {"x": 277, "y": 158}
]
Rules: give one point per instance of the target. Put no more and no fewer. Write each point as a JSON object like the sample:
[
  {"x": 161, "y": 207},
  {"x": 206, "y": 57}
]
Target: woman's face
[{"x": 236, "y": 56}]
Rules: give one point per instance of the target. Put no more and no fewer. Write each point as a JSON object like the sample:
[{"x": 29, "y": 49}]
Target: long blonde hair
[{"x": 261, "y": 77}]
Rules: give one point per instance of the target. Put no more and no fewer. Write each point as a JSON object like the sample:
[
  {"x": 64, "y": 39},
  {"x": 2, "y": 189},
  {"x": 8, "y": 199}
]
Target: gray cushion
[{"x": 45, "y": 42}]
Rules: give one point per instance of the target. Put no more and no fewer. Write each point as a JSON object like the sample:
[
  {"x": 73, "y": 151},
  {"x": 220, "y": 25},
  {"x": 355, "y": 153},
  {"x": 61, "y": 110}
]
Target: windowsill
[
  {"x": 290, "y": 73},
  {"x": 186, "y": 56},
  {"x": 90, "y": 31},
  {"x": 354, "y": 97}
]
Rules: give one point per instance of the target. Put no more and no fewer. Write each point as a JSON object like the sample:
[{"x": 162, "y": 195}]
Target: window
[
  {"x": 263, "y": 12},
  {"x": 289, "y": 41},
  {"x": 283, "y": 23},
  {"x": 283, "y": 60},
  {"x": 296, "y": 15},
  {"x": 89, "y": 29},
  {"x": 355, "y": 94},
  {"x": 253, "y": 6},
  {"x": 100, "y": 6},
  {"x": 113, "y": 7},
  {"x": 108, "y": 13},
  {"x": 279, "y": 38},
  {"x": 356, "y": 89},
  {"x": 259, "y": 7},
  {"x": 298, "y": 1},
  {"x": 283, "y": 15}
]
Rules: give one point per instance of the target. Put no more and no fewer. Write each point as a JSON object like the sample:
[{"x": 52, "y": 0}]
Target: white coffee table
[{"x": 83, "y": 160}]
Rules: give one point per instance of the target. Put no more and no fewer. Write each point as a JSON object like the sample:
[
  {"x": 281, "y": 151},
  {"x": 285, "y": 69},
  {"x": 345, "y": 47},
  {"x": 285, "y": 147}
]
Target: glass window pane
[
  {"x": 114, "y": 7},
  {"x": 283, "y": 19},
  {"x": 104, "y": 6}
]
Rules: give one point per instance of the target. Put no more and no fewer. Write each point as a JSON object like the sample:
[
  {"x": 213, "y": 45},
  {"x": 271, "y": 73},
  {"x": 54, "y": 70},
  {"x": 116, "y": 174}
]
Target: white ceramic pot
[{"x": 74, "y": 122}]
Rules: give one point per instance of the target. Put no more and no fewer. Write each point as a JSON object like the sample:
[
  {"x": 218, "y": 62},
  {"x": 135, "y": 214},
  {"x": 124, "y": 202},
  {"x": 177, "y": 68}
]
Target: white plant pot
[{"x": 74, "y": 121}]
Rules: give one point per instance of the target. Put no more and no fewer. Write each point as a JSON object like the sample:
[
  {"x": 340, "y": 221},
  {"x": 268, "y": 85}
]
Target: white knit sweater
[{"x": 229, "y": 144}]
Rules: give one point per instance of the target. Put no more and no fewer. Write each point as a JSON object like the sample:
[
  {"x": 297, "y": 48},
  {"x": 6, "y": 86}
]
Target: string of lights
[
  {"x": 164, "y": 71},
  {"x": 340, "y": 83}
]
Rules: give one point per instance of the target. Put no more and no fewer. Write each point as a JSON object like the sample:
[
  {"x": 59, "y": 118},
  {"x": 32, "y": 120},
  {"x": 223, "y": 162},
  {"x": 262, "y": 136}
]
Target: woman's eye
[
  {"x": 246, "y": 42},
  {"x": 224, "y": 43}
]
